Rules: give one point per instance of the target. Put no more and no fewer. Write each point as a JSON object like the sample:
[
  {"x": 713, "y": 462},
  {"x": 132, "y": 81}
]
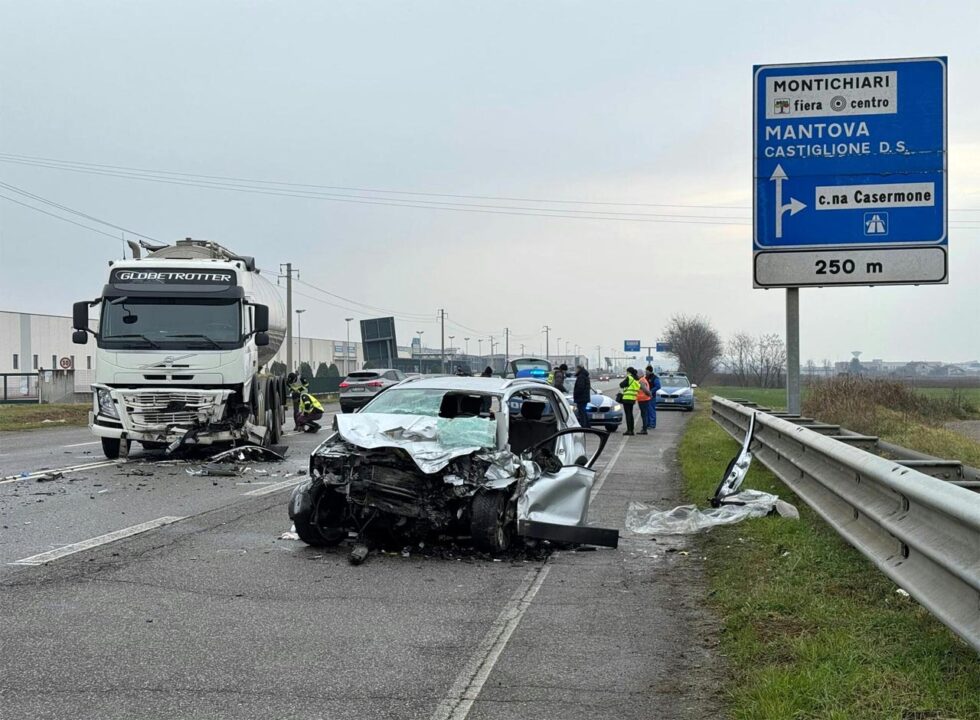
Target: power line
[
  {"x": 356, "y": 302},
  {"x": 58, "y": 217},
  {"x": 52, "y": 203},
  {"x": 67, "y": 164}
]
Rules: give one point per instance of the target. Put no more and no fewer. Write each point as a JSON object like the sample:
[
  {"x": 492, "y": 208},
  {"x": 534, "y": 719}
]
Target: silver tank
[{"x": 257, "y": 288}]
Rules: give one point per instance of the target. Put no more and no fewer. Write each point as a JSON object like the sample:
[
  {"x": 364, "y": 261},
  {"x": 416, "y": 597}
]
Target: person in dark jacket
[
  {"x": 654, "y": 383},
  {"x": 559, "y": 377},
  {"x": 582, "y": 394}
]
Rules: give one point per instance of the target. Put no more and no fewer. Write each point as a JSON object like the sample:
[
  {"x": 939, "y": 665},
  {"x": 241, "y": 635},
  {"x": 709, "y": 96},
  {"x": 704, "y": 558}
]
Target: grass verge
[
  {"x": 812, "y": 629},
  {"x": 910, "y": 417},
  {"x": 31, "y": 417}
]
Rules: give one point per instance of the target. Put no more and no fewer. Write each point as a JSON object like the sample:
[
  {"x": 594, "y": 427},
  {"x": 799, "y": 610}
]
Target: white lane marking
[
  {"x": 94, "y": 442},
  {"x": 63, "y": 471},
  {"x": 606, "y": 470},
  {"x": 464, "y": 692},
  {"x": 61, "y": 552},
  {"x": 276, "y": 487}
]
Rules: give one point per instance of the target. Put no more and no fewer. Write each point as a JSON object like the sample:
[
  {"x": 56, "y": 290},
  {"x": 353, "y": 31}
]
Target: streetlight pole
[
  {"x": 479, "y": 345},
  {"x": 347, "y": 348},
  {"x": 467, "y": 340},
  {"x": 452, "y": 349},
  {"x": 547, "y": 341},
  {"x": 506, "y": 349},
  {"x": 419, "y": 333},
  {"x": 299, "y": 339}
]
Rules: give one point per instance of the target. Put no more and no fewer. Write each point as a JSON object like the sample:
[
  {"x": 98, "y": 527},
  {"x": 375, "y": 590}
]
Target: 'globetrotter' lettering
[{"x": 172, "y": 276}]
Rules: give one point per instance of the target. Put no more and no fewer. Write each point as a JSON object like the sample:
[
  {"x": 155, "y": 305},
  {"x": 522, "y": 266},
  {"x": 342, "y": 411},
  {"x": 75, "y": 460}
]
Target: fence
[
  {"x": 920, "y": 530},
  {"x": 20, "y": 388}
]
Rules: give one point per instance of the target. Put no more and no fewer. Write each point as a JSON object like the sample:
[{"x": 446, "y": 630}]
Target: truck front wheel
[{"x": 110, "y": 447}]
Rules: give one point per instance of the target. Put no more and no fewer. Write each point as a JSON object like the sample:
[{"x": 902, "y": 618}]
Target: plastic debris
[
  {"x": 903, "y": 593},
  {"x": 358, "y": 554},
  {"x": 689, "y": 519},
  {"x": 249, "y": 453},
  {"x": 211, "y": 470},
  {"x": 290, "y": 534}
]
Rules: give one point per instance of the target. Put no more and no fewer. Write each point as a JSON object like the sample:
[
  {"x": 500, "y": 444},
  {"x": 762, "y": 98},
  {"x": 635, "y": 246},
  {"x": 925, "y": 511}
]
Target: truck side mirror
[
  {"x": 261, "y": 320},
  {"x": 79, "y": 315},
  {"x": 261, "y": 339},
  {"x": 79, "y": 337}
]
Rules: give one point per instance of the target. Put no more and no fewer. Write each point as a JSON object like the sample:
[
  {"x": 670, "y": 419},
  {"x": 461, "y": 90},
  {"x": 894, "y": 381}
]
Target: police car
[{"x": 676, "y": 391}]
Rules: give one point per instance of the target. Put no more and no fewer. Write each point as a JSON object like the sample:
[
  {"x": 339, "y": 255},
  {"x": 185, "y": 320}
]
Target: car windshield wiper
[
  {"x": 213, "y": 342},
  {"x": 133, "y": 335}
]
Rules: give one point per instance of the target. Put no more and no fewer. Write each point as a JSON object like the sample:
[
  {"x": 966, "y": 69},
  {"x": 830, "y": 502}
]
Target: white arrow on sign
[{"x": 794, "y": 205}]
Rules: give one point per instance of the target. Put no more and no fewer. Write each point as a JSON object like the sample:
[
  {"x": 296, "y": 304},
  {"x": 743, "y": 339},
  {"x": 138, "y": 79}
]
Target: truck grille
[{"x": 160, "y": 409}]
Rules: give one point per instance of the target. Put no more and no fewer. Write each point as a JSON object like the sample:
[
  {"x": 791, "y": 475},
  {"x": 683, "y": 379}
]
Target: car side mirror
[
  {"x": 79, "y": 316},
  {"x": 261, "y": 339},
  {"x": 79, "y": 337},
  {"x": 262, "y": 320}
]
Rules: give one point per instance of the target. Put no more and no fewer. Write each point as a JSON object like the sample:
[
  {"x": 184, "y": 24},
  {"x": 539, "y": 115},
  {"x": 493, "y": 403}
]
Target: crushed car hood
[{"x": 431, "y": 442}]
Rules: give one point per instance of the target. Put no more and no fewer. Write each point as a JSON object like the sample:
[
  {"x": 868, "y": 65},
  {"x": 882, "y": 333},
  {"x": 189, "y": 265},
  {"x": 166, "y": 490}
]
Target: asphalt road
[{"x": 214, "y": 616}]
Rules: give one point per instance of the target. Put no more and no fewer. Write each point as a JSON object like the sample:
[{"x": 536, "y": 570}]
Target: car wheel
[
  {"x": 311, "y": 520},
  {"x": 491, "y": 525},
  {"x": 110, "y": 447}
]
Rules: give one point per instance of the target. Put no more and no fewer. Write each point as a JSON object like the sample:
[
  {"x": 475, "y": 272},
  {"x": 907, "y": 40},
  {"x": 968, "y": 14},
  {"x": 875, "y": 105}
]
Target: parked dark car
[{"x": 359, "y": 388}]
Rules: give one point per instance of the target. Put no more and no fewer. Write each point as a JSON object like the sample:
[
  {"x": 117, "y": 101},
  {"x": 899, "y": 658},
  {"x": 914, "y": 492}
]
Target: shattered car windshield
[{"x": 423, "y": 401}]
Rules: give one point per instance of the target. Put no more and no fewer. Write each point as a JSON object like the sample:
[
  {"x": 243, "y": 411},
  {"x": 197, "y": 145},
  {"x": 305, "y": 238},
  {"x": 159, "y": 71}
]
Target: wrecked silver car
[{"x": 452, "y": 456}]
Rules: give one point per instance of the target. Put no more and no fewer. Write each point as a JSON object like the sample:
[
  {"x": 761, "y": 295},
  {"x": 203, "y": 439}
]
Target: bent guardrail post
[{"x": 924, "y": 533}]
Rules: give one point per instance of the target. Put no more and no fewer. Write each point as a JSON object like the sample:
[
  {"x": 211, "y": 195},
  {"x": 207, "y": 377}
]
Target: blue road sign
[
  {"x": 664, "y": 347},
  {"x": 631, "y": 346},
  {"x": 850, "y": 156}
]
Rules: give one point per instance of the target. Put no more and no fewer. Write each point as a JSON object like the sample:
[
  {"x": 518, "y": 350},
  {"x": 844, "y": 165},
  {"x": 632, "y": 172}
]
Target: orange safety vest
[{"x": 643, "y": 394}]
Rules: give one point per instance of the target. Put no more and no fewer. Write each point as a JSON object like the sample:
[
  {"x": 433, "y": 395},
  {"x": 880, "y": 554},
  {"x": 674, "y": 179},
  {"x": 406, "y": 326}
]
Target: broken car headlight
[{"x": 106, "y": 406}]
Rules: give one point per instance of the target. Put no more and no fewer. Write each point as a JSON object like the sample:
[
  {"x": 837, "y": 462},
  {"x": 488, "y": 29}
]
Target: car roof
[{"x": 495, "y": 385}]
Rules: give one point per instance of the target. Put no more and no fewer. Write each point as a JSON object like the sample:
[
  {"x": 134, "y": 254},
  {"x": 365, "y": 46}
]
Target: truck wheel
[
  {"x": 110, "y": 447},
  {"x": 491, "y": 525},
  {"x": 272, "y": 400}
]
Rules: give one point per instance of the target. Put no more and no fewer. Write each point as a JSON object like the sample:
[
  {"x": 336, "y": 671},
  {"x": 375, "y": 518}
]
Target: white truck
[{"x": 185, "y": 337}]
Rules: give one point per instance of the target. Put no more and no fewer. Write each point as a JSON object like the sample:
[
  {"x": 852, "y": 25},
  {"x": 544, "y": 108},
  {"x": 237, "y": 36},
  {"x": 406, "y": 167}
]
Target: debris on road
[
  {"x": 358, "y": 554},
  {"x": 688, "y": 519},
  {"x": 290, "y": 534},
  {"x": 250, "y": 453},
  {"x": 209, "y": 470},
  {"x": 49, "y": 476}
]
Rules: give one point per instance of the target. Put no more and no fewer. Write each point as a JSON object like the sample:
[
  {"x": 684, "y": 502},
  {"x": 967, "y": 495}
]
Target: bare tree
[
  {"x": 770, "y": 360},
  {"x": 696, "y": 345},
  {"x": 739, "y": 357}
]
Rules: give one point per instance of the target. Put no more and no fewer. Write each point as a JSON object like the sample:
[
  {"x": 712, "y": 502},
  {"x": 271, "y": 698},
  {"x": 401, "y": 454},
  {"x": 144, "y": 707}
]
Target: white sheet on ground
[
  {"x": 689, "y": 519},
  {"x": 432, "y": 442}
]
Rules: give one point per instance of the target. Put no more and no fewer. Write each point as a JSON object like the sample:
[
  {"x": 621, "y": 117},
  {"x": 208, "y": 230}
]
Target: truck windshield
[{"x": 171, "y": 323}]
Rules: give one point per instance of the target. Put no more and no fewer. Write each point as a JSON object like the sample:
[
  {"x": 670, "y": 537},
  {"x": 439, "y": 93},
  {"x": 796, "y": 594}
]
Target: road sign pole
[{"x": 793, "y": 350}]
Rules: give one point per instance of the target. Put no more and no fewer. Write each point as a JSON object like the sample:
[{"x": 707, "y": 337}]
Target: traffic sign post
[
  {"x": 849, "y": 180},
  {"x": 850, "y": 173}
]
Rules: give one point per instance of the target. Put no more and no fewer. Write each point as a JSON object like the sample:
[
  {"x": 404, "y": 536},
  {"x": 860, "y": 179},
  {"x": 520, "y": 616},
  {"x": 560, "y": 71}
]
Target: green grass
[
  {"x": 31, "y": 417},
  {"x": 812, "y": 629}
]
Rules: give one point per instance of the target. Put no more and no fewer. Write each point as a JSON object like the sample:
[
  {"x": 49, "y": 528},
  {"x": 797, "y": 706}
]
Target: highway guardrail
[{"x": 921, "y": 531}]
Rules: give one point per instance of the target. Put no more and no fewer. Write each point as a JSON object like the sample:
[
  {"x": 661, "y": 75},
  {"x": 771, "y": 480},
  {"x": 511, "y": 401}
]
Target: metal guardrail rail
[{"x": 921, "y": 531}]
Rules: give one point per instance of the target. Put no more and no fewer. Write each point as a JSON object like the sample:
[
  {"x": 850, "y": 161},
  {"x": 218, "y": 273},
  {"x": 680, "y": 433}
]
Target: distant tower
[{"x": 855, "y": 365}]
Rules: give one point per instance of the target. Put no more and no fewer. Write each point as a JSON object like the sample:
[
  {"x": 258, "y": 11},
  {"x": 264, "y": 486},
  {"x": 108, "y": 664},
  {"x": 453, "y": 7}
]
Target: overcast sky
[{"x": 619, "y": 102}]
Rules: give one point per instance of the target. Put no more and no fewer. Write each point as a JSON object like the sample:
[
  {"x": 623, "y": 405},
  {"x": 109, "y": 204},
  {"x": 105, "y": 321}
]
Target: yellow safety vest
[
  {"x": 629, "y": 394},
  {"x": 308, "y": 403}
]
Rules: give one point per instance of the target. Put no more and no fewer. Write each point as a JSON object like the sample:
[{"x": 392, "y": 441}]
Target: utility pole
[
  {"x": 442, "y": 340},
  {"x": 419, "y": 333},
  {"x": 547, "y": 341},
  {"x": 506, "y": 348},
  {"x": 289, "y": 312},
  {"x": 557, "y": 347},
  {"x": 490, "y": 363},
  {"x": 467, "y": 341},
  {"x": 299, "y": 340},
  {"x": 347, "y": 348},
  {"x": 598, "y": 356},
  {"x": 452, "y": 347},
  {"x": 522, "y": 350}
]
